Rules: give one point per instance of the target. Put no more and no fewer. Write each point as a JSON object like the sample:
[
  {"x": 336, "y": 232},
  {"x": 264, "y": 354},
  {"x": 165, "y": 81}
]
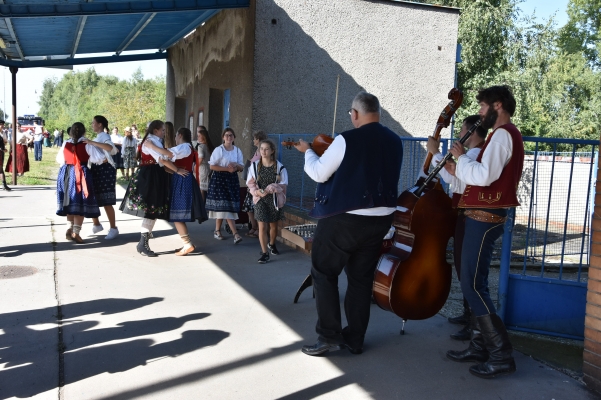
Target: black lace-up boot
[{"x": 143, "y": 247}]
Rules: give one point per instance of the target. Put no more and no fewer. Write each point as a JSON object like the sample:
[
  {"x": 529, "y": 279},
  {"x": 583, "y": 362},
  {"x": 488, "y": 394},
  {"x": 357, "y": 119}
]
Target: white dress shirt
[
  {"x": 495, "y": 158},
  {"x": 457, "y": 186},
  {"x": 320, "y": 169}
]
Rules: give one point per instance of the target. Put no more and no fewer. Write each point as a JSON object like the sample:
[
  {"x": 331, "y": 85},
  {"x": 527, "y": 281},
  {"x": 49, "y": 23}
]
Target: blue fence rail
[{"x": 545, "y": 250}]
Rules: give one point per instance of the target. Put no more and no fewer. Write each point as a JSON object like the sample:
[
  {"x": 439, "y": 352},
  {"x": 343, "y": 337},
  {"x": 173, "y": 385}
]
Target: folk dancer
[
  {"x": 186, "y": 202},
  {"x": 492, "y": 181},
  {"x": 147, "y": 194},
  {"x": 75, "y": 185}
]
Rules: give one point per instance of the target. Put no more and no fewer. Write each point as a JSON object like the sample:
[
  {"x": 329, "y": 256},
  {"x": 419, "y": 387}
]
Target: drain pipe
[{"x": 13, "y": 72}]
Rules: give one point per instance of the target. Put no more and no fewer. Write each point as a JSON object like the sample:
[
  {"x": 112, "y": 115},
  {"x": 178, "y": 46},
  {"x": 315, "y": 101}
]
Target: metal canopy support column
[
  {"x": 13, "y": 72},
  {"x": 145, "y": 20},
  {"x": 80, "y": 25}
]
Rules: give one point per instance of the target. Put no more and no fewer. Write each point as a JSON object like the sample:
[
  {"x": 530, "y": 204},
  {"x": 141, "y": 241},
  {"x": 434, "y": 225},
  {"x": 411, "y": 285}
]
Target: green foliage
[
  {"x": 78, "y": 96},
  {"x": 554, "y": 73}
]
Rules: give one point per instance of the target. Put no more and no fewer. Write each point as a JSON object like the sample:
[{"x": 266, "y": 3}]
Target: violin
[
  {"x": 413, "y": 279},
  {"x": 319, "y": 145}
]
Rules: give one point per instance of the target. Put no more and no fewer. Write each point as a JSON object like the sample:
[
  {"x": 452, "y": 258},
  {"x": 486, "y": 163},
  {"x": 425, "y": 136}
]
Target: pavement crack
[{"x": 59, "y": 317}]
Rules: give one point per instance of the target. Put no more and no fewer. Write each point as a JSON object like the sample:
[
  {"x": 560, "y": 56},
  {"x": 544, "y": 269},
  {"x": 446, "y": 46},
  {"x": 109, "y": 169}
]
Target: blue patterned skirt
[
  {"x": 105, "y": 178},
  {"x": 68, "y": 201},
  {"x": 187, "y": 204},
  {"x": 147, "y": 194},
  {"x": 224, "y": 192}
]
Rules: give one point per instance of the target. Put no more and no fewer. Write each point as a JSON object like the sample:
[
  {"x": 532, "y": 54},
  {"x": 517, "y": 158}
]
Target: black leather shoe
[
  {"x": 358, "y": 350},
  {"x": 464, "y": 334},
  {"x": 320, "y": 348}
]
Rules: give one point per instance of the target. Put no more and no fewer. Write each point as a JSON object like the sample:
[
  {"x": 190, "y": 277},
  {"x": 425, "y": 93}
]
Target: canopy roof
[{"x": 38, "y": 33}]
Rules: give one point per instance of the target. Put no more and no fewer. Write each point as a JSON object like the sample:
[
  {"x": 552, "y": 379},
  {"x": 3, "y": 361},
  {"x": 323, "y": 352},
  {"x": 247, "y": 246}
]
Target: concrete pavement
[{"x": 212, "y": 325}]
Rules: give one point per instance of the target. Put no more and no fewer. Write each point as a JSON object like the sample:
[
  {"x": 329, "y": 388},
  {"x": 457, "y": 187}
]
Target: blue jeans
[
  {"x": 476, "y": 255},
  {"x": 37, "y": 150}
]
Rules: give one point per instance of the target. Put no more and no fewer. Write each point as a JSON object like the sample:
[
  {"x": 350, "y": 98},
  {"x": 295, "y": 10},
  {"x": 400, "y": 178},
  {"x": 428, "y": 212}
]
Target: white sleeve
[
  {"x": 147, "y": 150},
  {"x": 321, "y": 168},
  {"x": 97, "y": 156},
  {"x": 283, "y": 175},
  {"x": 495, "y": 158},
  {"x": 216, "y": 156},
  {"x": 180, "y": 151},
  {"x": 251, "y": 173},
  {"x": 60, "y": 156}
]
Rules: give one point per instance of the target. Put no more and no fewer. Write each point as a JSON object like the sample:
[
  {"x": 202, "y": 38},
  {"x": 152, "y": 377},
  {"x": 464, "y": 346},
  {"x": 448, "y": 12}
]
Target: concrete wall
[
  {"x": 403, "y": 53},
  {"x": 218, "y": 56}
]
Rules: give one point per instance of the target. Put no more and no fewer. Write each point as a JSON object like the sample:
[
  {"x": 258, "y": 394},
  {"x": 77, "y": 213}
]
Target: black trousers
[{"x": 350, "y": 242}]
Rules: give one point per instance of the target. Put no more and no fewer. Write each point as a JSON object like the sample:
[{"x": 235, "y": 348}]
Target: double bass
[{"x": 413, "y": 279}]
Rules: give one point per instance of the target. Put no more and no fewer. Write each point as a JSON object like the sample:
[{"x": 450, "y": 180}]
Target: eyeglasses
[
  {"x": 350, "y": 111},
  {"x": 228, "y": 135}
]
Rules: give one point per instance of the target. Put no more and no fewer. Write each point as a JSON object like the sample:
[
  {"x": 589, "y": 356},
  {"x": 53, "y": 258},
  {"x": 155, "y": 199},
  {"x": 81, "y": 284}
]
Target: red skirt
[{"x": 22, "y": 160}]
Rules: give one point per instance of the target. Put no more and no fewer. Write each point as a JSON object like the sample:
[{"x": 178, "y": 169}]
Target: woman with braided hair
[{"x": 75, "y": 185}]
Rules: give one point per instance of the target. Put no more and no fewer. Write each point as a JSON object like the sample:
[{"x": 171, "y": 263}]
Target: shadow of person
[{"x": 112, "y": 358}]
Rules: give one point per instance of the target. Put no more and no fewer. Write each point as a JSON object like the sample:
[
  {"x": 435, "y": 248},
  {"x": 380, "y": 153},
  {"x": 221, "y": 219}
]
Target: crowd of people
[{"x": 170, "y": 179}]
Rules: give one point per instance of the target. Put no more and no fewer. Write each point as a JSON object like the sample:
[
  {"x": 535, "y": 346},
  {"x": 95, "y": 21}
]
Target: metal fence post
[{"x": 505, "y": 263}]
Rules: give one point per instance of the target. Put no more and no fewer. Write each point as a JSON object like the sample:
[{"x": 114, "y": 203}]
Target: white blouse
[
  {"x": 96, "y": 155},
  {"x": 457, "y": 186},
  {"x": 104, "y": 137},
  {"x": 222, "y": 158},
  {"x": 147, "y": 150},
  {"x": 180, "y": 151},
  {"x": 116, "y": 138},
  {"x": 494, "y": 159}
]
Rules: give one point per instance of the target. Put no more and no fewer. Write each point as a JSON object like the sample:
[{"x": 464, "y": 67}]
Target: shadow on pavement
[{"x": 26, "y": 343}]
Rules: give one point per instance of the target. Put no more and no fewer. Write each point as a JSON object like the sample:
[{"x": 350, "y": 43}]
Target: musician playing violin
[
  {"x": 492, "y": 180},
  {"x": 355, "y": 198},
  {"x": 474, "y": 145}
]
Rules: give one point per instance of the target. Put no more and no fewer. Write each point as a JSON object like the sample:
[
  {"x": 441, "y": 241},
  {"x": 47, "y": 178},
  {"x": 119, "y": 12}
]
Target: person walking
[
  {"x": 223, "y": 199},
  {"x": 267, "y": 182},
  {"x": 38, "y": 139},
  {"x": 117, "y": 140}
]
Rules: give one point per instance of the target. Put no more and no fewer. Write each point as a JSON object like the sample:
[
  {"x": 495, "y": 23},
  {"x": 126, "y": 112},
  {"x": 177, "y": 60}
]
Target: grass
[{"x": 40, "y": 172}]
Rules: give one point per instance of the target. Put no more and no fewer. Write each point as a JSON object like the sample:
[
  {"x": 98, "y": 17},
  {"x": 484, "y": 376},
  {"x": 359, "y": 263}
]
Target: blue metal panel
[
  {"x": 45, "y": 9},
  {"x": 546, "y": 305},
  {"x": 83, "y": 61},
  {"x": 106, "y": 33},
  {"x": 54, "y": 36}
]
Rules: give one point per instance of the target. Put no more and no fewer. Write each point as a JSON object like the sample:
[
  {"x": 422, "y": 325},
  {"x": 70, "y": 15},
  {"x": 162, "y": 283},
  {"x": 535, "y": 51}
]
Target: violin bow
[{"x": 335, "y": 105}]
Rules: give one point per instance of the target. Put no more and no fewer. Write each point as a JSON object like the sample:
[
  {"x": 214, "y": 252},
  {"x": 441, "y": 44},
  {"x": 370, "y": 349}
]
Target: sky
[{"x": 29, "y": 80}]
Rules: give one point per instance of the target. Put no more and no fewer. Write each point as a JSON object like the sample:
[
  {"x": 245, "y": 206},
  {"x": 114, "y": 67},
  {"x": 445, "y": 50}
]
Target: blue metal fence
[{"x": 544, "y": 252}]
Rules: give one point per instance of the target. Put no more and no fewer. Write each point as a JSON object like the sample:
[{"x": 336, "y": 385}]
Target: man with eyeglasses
[{"x": 356, "y": 196}]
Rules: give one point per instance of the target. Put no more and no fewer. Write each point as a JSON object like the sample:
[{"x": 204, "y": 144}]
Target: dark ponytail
[
  {"x": 102, "y": 121},
  {"x": 156, "y": 124},
  {"x": 77, "y": 131}
]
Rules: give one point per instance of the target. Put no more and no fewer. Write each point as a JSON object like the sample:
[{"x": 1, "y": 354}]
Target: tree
[{"x": 79, "y": 96}]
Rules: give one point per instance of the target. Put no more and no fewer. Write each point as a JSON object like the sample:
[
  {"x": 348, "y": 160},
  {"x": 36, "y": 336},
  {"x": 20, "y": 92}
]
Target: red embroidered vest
[
  {"x": 146, "y": 159},
  {"x": 76, "y": 150},
  {"x": 502, "y": 193},
  {"x": 186, "y": 162}
]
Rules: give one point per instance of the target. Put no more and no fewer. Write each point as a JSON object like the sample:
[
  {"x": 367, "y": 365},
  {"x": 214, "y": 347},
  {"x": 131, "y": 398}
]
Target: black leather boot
[
  {"x": 5, "y": 186},
  {"x": 476, "y": 351},
  {"x": 464, "y": 318},
  {"x": 496, "y": 339},
  {"x": 464, "y": 334},
  {"x": 143, "y": 247}
]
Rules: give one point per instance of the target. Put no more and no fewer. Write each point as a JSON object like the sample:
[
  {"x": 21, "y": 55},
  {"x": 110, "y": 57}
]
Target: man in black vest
[{"x": 356, "y": 196}]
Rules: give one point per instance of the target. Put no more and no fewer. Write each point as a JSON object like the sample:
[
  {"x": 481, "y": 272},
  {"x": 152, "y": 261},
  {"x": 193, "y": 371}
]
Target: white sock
[{"x": 147, "y": 225}]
